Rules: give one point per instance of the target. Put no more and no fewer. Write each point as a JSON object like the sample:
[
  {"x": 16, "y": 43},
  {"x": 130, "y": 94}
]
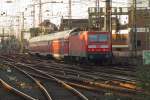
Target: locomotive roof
[{"x": 57, "y": 35}]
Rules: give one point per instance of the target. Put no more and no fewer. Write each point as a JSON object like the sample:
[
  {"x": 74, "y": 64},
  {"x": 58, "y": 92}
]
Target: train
[{"x": 73, "y": 45}]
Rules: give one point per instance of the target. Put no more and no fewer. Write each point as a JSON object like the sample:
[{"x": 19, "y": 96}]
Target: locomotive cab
[{"x": 99, "y": 45}]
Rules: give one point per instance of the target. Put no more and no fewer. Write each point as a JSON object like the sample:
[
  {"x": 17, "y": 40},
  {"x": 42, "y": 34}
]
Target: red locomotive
[{"x": 73, "y": 44}]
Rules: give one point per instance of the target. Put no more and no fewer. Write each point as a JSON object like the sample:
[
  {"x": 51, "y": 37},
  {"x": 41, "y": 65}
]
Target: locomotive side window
[
  {"x": 103, "y": 37},
  {"x": 93, "y": 38}
]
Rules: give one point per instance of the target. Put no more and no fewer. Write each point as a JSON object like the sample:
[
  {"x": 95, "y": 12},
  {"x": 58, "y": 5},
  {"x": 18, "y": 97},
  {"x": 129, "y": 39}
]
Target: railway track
[
  {"x": 76, "y": 85},
  {"x": 100, "y": 75},
  {"x": 21, "y": 83},
  {"x": 97, "y": 72},
  {"x": 72, "y": 92},
  {"x": 89, "y": 82},
  {"x": 120, "y": 70},
  {"x": 13, "y": 93}
]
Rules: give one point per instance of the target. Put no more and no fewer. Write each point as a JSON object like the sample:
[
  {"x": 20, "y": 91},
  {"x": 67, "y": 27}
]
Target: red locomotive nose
[{"x": 99, "y": 44}]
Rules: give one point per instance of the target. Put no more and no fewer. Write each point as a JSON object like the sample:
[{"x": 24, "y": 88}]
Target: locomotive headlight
[
  {"x": 91, "y": 46},
  {"x": 104, "y": 46}
]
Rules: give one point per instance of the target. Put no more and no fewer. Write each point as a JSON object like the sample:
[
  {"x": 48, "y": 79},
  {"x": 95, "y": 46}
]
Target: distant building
[
  {"x": 141, "y": 3},
  {"x": 48, "y": 27},
  {"x": 142, "y": 29},
  {"x": 74, "y": 23}
]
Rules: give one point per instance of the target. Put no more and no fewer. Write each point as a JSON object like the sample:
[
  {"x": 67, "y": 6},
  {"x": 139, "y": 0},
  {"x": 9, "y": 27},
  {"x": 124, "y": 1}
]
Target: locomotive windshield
[
  {"x": 98, "y": 37},
  {"x": 93, "y": 38},
  {"x": 103, "y": 37}
]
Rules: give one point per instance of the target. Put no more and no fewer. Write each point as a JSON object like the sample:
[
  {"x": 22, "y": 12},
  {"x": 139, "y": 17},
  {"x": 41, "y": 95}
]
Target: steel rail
[
  {"x": 37, "y": 82},
  {"x": 103, "y": 72},
  {"x": 65, "y": 85},
  {"x": 56, "y": 79},
  {"x": 90, "y": 88},
  {"x": 93, "y": 76},
  {"x": 103, "y": 85},
  {"x": 107, "y": 86},
  {"x": 25, "y": 96},
  {"x": 86, "y": 74}
]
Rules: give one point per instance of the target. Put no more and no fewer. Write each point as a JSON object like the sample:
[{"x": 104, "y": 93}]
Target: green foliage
[
  {"x": 143, "y": 75},
  {"x": 35, "y": 31}
]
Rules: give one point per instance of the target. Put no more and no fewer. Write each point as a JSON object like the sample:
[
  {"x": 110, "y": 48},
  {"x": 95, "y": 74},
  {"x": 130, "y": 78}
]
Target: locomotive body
[{"x": 73, "y": 44}]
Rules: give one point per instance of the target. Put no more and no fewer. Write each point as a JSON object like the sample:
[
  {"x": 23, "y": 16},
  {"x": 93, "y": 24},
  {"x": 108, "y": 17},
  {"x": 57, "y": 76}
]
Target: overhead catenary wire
[{"x": 85, "y": 3}]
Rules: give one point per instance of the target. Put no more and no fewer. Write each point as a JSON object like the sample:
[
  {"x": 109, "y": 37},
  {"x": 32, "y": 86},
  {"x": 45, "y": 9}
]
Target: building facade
[
  {"x": 139, "y": 3},
  {"x": 140, "y": 29}
]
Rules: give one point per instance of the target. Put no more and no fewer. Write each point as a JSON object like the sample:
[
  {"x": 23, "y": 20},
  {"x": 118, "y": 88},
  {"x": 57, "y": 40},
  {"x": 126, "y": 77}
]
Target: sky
[{"x": 52, "y": 11}]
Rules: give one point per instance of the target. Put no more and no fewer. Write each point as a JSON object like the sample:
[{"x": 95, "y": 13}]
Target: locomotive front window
[
  {"x": 93, "y": 38},
  {"x": 103, "y": 37}
]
